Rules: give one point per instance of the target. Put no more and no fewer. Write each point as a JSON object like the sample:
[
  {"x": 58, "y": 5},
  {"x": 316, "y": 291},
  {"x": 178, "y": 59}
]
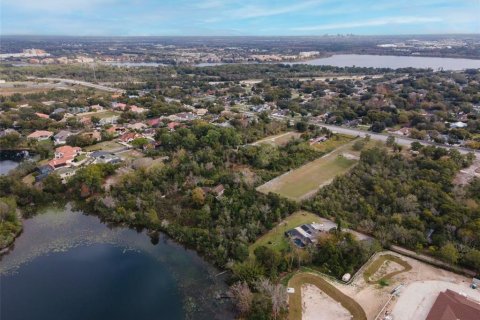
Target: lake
[
  {"x": 67, "y": 265},
  {"x": 393, "y": 62},
  {"x": 7, "y": 165},
  {"x": 10, "y": 159},
  {"x": 376, "y": 61}
]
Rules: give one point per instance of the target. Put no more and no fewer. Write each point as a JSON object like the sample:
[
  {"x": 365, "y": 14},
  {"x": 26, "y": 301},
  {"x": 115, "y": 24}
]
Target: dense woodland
[{"x": 409, "y": 202}]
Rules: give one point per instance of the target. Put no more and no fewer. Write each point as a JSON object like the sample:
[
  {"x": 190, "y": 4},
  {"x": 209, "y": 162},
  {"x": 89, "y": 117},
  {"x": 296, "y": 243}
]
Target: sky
[{"x": 237, "y": 17}]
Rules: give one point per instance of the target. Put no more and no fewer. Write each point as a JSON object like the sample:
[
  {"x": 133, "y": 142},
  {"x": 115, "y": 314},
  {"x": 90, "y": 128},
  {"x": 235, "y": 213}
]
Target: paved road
[
  {"x": 85, "y": 84},
  {"x": 404, "y": 141}
]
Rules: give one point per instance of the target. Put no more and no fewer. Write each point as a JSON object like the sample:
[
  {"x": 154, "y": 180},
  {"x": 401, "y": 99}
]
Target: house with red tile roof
[
  {"x": 42, "y": 115},
  {"x": 154, "y": 122},
  {"x": 136, "y": 109},
  {"x": 40, "y": 135},
  {"x": 64, "y": 156},
  {"x": 173, "y": 125},
  {"x": 129, "y": 137}
]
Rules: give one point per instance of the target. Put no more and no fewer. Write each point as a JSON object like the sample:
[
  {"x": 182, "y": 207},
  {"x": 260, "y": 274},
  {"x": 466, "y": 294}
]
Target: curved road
[
  {"x": 85, "y": 84},
  {"x": 404, "y": 141}
]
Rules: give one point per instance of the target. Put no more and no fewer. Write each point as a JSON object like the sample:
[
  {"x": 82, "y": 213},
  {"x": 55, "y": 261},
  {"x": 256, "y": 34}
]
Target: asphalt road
[
  {"x": 401, "y": 140},
  {"x": 86, "y": 84}
]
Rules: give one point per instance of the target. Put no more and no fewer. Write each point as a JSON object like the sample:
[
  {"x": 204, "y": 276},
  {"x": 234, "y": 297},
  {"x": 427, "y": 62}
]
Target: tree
[
  {"x": 242, "y": 296},
  {"x": 390, "y": 141},
  {"x": 301, "y": 126},
  {"x": 416, "y": 146},
  {"x": 198, "y": 196},
  {"x": 53, "y": 184},
  {"x": 449, "y": 253},
  {"x": 377, "y": 126},
  {"x": 277, "y": 294}
]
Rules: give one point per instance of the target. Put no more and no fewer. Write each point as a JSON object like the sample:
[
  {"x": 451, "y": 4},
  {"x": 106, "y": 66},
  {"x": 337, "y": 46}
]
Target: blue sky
[{"x": 238, "y": 17}]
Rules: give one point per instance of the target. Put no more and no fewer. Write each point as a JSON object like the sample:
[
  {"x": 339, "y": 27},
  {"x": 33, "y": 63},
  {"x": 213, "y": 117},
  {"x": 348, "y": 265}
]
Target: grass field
[
  {"x": 279, "y": 139},
  {"x": 333, "y": 143},
  {"x": 276, "y": 239},
  {"x": 377, "y": 263},
  {"x": 105, "y": 146},
  {"x": 305, "y": 181},
  {"x": 295, "y": 299}
]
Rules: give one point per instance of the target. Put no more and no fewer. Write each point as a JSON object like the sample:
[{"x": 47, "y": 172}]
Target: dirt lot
[
  {"x": 421, "y": 286},
  {"x": 316, "y": 305},
  {"x": 417, "y": 298}
]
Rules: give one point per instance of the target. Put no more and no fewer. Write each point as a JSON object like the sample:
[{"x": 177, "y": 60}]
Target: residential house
[
  {"x": 154, "y": 122},
  {"x": 140, "y": 126},
  {"x": 305, "y": 234},
  {"x": 136, "y": 109},
  {"x": 104, "y": 157},
  {"x": 458, "y": 125},
  {"x": 129, "y": 137},
  {"x": 172, "y": 125},
  {"x": 96, "y": 107},
  {"x": 64, "y": 156},
  {"x": 40, "y": 135},
  {"x": 119, "y": 105},
  {"x": 61, "y": 137},
  {"x": 200, "y": 112},
  {"x": 42, "y": 115},
  {"x": 108, "y": 120}
]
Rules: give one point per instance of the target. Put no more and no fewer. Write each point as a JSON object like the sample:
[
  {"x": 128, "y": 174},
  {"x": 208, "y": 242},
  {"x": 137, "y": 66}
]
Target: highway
[
  {"x": 401, "y": 140},
  {"x": 84, "y": 83}
]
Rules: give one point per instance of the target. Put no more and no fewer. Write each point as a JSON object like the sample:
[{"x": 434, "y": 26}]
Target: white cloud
[
  {"x": 254, "y": 11},
  {"x": 369, "y": 23}
]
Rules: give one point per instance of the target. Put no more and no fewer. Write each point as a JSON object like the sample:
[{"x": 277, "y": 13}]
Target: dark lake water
[
  {"x": 67, "y": 265},
  {"x": 7, "y": 165}
]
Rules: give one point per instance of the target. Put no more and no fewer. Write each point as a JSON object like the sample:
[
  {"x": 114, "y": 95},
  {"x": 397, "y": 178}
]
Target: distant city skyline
[{"x": 237, "y": 17}]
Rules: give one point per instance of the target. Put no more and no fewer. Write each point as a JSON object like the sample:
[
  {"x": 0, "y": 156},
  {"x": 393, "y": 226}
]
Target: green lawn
[
  {"x": 305, "y": 181},
  {"x": 333, "y": 143},
  {"x": 276, "y": 239},
  {"x": 279, "y": 139},
  {"x": 295, "y": 299},
  {"x": 104, "y": 146}
]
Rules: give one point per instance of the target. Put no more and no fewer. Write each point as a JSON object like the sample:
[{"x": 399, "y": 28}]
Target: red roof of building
[
  {"x": 173, "y": 125},
  {"x": 40, "y": 133},
  {"x": 41, "y": 115},
  {"x": 453, "y": 306}
]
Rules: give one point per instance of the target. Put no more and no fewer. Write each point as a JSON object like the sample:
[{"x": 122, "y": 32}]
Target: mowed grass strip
[
  {"x": 295, "y": 299},
  {"x": 333, "y": 143},
  {"x": 377, "y": 263},
  {"x": 305, "y": 181},
  {"x": 275, "y": 238},
  {"x": 104, "y": 146},
  {"x": 279, "y": 139}
]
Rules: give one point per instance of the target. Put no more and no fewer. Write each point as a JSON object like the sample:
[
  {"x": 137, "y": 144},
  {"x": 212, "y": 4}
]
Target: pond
[{"x": 67, "y": 265}]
